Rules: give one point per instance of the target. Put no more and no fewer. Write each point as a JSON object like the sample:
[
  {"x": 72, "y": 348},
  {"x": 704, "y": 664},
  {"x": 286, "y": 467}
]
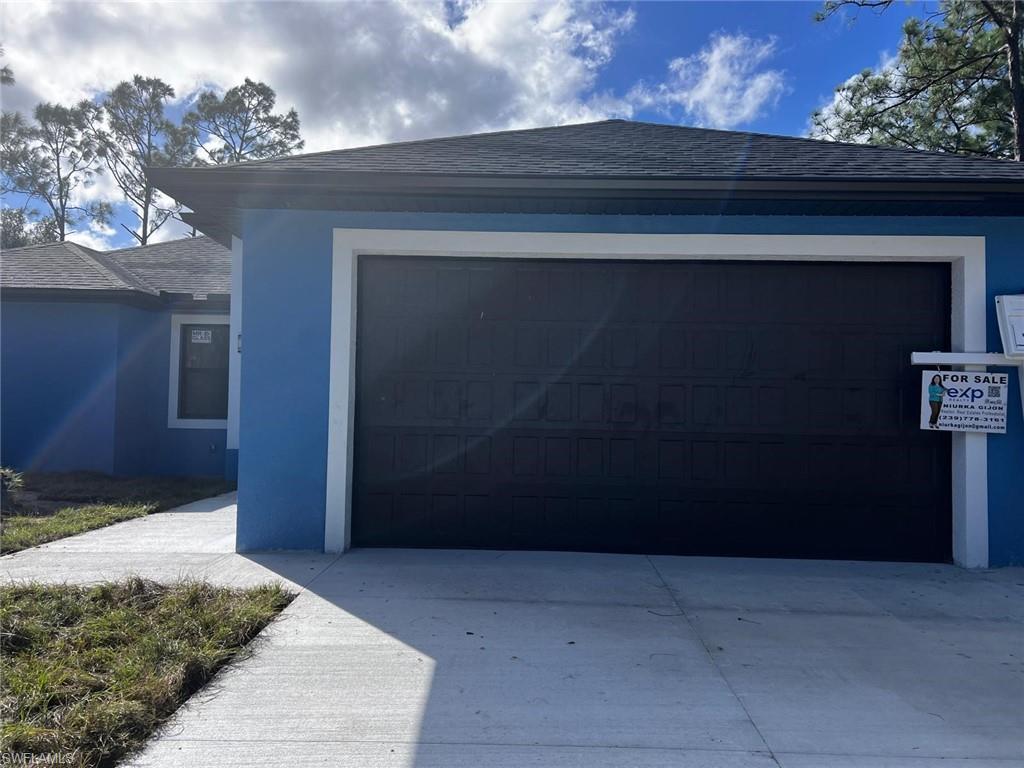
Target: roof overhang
[
  {"x": 164, "y": 300},
  {"x": 84, "y": 295},
  {"x": 216, "y": 195}
]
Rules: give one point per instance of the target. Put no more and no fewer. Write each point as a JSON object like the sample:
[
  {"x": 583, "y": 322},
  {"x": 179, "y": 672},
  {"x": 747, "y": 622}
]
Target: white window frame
[
  {"x": 174, "y": 381},
  {"x": 968, "y": 317}
]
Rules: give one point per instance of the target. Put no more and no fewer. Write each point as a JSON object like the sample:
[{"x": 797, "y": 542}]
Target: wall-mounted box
[{"x": 1010, "y": 311}]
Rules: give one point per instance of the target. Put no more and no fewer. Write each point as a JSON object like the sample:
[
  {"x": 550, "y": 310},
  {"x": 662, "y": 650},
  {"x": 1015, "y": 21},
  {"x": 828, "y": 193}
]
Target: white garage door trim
[{"x": 968, "y": 331}]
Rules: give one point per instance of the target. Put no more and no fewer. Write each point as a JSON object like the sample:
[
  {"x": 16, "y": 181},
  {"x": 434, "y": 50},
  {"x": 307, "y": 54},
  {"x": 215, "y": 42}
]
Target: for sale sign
[{"x": 963, "y": 401}]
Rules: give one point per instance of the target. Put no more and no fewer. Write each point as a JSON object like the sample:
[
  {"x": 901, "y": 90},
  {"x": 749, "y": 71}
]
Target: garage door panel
[
  {"x": 715, "y": 408},
  {"x": 702, "y": 404},
  {"x": 771, "y": 464}
]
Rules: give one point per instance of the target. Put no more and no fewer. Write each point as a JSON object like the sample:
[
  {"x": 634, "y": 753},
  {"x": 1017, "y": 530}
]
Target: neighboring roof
[
  {"x": 620, "y": 148},
  {"x": 193, "y": 266},
  {"x": 607, "y": 167},
  {"x": 196, "y": 265}
]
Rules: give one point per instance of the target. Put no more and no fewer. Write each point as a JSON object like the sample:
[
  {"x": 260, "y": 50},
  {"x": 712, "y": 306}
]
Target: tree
[
  {"x": 17, "y": 231},
  {"x": 132, "y": 133},
  {"x": 15, "y": 136},
  {"x": 51, "y": 161},
  {"x": 955, "y": 85},
  {"x": 241, "y": 126},
  {"x": 6, "y": 73}
]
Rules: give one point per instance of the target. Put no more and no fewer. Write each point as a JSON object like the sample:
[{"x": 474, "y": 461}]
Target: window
[{"x": 199, "y": 371}]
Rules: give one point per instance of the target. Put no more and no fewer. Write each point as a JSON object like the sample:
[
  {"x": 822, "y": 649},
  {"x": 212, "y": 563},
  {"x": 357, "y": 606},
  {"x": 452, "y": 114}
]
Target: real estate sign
[{"x": 963, "y": 401}]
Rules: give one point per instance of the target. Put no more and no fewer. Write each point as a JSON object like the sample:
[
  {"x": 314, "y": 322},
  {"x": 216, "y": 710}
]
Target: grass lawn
[
  {"x": 54, "y": 505},
  {"x": 19, "y": 532},
  {"x": 91, "y": 672}
]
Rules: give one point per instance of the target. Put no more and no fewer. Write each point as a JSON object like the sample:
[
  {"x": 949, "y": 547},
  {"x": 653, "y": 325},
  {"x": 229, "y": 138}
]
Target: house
[
  {"x": 116, "y": 361},
  {"x": 617, "y": 336}
]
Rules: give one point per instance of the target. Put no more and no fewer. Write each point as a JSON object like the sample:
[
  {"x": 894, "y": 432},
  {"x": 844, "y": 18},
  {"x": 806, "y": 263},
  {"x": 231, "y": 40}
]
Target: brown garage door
[{"x": 726, "y": 408}]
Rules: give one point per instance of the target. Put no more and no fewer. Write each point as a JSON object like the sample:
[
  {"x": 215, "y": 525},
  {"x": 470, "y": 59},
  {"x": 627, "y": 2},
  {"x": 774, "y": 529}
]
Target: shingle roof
[
  {"x": 619, "y": 148},
  {"x": 65, "y": 266},
  {"x": 191, "y": 265},
  {"x": 196, "y": 265}
]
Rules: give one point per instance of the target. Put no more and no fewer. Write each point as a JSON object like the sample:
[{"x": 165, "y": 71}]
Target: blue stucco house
[
  {"x": 617, "y": 336},
  {"x": 117, "y": 361}
]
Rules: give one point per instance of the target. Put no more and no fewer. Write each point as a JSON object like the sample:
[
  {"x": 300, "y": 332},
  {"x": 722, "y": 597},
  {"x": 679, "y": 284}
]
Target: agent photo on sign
[{"x": 935, "y": 394}]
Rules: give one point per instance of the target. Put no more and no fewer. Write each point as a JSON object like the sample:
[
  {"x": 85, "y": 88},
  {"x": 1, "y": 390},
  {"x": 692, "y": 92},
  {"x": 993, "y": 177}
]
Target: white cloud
[
  {"x": 357, "y": 72},
  {"x": 370, "y": 72},
  {"x": 94, "y": 235},
  {"x": 722, "y": 86},
  {"x": 172, "y": 229},
  {"x": 99, "y": 188}
]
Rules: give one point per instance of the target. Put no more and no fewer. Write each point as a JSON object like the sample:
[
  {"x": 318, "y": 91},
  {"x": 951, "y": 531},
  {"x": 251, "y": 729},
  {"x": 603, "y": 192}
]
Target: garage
[
  {"x": 616, "y": 336},
  {"x": 675, "y": 407}
]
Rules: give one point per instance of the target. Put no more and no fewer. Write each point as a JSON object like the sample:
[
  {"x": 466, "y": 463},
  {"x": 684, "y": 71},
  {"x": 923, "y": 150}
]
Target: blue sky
[
  {"x": 815, "y": 56},
  {"x": 374, "y": 72}
]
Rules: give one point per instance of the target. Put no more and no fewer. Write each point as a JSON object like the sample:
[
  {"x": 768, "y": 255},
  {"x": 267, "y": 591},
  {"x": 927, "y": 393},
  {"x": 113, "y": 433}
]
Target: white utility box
[{"x": 1010, "y": 311}]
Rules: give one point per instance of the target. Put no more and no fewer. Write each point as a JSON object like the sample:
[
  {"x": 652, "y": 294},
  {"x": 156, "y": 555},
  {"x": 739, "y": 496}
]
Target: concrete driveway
[{"x": 456, "y": 658}]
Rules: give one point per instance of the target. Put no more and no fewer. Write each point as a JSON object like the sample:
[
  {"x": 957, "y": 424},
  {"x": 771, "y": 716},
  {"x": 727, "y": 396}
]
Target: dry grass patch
[
  {"x": 49, "y": 506},
  {"x": 91, "y": 672},
  {"x": 19, "y": 532}
]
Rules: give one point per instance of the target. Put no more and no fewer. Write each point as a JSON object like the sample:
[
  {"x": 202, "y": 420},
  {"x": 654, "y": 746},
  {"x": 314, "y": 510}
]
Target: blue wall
[
  {"x": 282, "y": 457},
  {"x": 231, "y": 464},
  {"x": 84, "y": 386},
  {"x": 58, "y": 389},
  {"x": 1004, "y": 248},
  {"x": 286, "y": 325},
  {"x": 146, "y": 445},
  {"x": 137, "y": 391}
]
